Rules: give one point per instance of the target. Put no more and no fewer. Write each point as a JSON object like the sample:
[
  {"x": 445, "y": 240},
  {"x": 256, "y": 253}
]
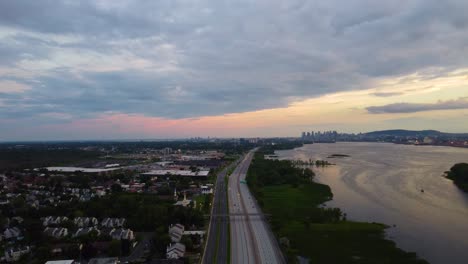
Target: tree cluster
[{"x": 459, "y": 174}]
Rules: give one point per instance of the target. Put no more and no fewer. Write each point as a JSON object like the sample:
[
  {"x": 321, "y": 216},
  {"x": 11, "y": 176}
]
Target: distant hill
[
  {"x": 414, "y": 133},
  {"x": 406, "y": 133}
]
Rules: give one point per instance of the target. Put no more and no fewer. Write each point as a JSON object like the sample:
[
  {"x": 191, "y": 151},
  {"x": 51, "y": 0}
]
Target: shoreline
[
  {"x": 383, "y": 183},
  {"x": 369, "y": 239},
  {"x": 396, "y": 143}
]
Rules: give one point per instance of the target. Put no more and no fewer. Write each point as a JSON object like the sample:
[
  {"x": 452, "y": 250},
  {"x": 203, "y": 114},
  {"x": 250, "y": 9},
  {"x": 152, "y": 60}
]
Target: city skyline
[{"x": 154, "y": 70}]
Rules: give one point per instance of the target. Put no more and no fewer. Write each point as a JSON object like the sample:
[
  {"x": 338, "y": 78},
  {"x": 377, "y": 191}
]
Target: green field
[{"x": 294, "y": 216}]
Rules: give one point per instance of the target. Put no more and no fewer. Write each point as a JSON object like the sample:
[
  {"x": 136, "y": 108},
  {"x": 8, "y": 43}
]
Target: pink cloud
[{"x": 132, "y": 125}]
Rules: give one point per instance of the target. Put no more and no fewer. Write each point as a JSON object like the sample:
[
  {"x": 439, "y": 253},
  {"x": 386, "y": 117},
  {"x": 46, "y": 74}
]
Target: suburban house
[
  {"x": 86, "y": 230},
  {"x": 175, "y": 251},
  {"x": 53, "y": 220},
  {"x": 122, "y": 233},
  {"x": 176, "y": 232},
  {"x": 14, "y": 254},
  {"x": 206, "y": 190},
  {"x": 85, "y": 221},
  {"x": 12, "y": 233},
  {"x": 57, "y": 232},
  {"x": 113, "y": 222}
]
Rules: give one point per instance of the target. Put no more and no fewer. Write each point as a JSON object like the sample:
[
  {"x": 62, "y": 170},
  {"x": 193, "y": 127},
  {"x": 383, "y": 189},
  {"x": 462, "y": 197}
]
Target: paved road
[
  {"x": 216, "y": 250},
  {"x": 251, "y": 238}
]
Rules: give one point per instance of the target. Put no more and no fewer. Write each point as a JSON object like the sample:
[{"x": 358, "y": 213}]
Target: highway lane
[
  {"x": 242, "y": 247},
  {"x": 222, "y": 252},
  {"x": 216, "y": 250},
  {"x": 251, "y": 239}
]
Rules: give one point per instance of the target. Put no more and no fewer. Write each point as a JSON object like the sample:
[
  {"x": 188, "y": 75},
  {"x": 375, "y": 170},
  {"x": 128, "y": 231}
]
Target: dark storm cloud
[
  {"x": 177, "y": 59},
  {"x": 461, "y": 103}
]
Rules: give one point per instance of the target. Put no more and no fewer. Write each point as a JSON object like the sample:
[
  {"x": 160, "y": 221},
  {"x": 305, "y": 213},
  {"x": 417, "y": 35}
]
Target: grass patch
[
  {"x": 200, "y": 199},
  {"x": 286, "y": 200}
]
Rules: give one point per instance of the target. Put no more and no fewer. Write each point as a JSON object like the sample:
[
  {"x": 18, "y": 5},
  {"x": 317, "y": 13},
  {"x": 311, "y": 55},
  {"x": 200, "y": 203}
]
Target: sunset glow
[{"x": 176, "y": 75}]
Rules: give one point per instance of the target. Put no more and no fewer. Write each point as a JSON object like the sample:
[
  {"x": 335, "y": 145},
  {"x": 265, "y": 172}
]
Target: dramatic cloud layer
[
  {"x": 172, "y": 59},
  {"x": 387, "y": 94},
  {"x": 461, "y": 103}
]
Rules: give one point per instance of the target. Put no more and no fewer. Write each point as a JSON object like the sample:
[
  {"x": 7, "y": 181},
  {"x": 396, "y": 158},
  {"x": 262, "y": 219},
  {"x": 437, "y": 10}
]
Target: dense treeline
[
  {"x": 264, "y": 172},
  {"x": 41, "y": 157},
  {"x": 284, "y": 145},
  {"x": 459, "y": 175}
]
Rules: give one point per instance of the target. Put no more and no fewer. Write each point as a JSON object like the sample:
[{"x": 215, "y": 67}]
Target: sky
[{"x": 172, "y": 69}]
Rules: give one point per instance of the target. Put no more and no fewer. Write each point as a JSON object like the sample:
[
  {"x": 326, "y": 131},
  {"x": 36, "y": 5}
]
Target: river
[{"x": 383, "y": 182}]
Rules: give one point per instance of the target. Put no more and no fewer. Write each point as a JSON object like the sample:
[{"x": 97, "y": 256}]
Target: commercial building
[{"x": 182, "y": 173}]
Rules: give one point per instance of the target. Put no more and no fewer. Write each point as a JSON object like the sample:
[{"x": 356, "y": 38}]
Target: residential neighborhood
[{"x": 141, "y": 205}]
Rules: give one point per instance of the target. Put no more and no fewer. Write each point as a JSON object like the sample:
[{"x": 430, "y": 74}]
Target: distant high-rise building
[{"x": 167, "y": 151}]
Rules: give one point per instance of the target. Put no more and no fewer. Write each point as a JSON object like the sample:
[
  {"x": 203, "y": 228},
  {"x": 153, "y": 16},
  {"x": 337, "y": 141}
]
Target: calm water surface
[{"x": 382, "y": 182}]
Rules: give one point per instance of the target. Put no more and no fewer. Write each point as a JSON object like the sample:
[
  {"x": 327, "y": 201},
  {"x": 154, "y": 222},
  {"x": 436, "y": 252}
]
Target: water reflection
[{"x": 384, "y": 182}]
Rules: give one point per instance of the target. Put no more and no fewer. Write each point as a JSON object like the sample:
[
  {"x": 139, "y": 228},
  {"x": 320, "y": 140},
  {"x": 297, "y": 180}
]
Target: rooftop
[
  {"x": 75, "y": 169},
  {"x": 70, "y": 261},
  {"x": 202, "y": 173}
]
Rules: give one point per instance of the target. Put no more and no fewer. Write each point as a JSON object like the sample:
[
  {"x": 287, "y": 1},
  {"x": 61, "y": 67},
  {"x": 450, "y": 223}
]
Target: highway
[
  {"x": 216, "y": 250},
  {"x": 251, "y": 239}
]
